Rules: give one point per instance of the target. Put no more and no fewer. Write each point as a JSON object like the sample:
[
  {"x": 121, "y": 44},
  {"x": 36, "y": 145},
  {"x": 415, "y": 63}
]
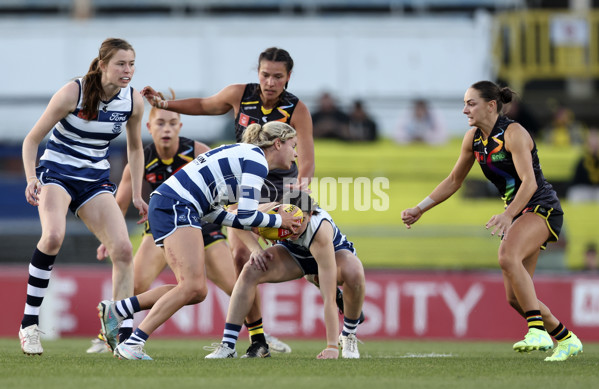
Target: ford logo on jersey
[
  {"x": 112, "y": 116},
  {"x": 118, "y": 117}
]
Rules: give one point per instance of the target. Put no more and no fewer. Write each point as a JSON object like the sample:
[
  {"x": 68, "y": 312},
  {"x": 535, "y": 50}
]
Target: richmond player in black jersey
[
  {"x": 259, "y": 103},
  {"x": 167, "y": 154},
  {"x": 533, "y": 216}
]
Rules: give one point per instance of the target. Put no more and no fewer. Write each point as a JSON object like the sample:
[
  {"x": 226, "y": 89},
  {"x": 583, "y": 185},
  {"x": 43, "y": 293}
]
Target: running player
[
  {"x": 228, "y": 174},
  {"x": 73, "y": 173},
  {"x": 533, "y": 215},
  {"x": 317, "y": 248}
]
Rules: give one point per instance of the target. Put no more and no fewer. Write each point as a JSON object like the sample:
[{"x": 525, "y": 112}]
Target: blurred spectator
[
  {"x": 590, "y": 258},
  {"x": 422, "y": 124},
  {"x": 329, "y": 121},
  {"x": 564, "y": 129},
  {"x": 83, "y": 9},
  {"x": 519, "y": 112},
  {"x": 585, "y": 183},
  {"x": 361, "y": 125}
]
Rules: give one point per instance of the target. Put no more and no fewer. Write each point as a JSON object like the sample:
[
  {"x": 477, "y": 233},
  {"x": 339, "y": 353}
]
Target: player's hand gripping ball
[{"x": 272, "y": 233}]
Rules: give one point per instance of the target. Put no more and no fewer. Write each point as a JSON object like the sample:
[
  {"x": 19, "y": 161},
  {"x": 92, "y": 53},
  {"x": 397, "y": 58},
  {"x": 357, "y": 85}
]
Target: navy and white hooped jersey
[
  {"x": 300, "y": 247},
  {"x": 222, "y": 176},
  {"x": 78, "y": 148}
]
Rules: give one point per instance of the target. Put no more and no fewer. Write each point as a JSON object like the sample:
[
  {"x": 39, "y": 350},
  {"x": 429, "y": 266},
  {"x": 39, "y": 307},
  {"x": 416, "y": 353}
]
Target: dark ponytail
[{"x": 490, "y": 91}]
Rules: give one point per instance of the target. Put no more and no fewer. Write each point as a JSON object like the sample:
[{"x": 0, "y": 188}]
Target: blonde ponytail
[{"x": 264, "y": 136}]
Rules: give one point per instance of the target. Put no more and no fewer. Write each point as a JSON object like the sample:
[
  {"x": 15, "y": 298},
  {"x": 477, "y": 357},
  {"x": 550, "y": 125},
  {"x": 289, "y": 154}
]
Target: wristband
[{"x": 427, "y": 202}]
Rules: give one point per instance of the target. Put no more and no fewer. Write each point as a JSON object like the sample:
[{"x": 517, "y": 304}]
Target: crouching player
[{"x": 317, "y": 248}]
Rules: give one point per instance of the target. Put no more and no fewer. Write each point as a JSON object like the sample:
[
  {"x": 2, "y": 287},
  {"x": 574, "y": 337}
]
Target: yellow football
[{"x": 273, "y": 233}]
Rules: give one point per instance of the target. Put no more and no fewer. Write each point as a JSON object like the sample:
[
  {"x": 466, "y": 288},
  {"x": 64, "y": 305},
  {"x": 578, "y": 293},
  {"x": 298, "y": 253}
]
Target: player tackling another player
[
  {"x": 533, "y": 216},
  {"x": 227, "y": 174}
]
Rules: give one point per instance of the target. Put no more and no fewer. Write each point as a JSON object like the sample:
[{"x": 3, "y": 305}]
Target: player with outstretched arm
[{"x": 533, "y": 216}]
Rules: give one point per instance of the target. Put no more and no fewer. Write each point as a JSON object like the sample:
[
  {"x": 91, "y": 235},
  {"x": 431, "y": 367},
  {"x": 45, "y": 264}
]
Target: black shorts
[
  {"x": 211, "y": 232},
  {"x": 553, "y": 217}
]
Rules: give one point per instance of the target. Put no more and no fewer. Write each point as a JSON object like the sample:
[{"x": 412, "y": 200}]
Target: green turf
[{"x": 384, "y": 364}]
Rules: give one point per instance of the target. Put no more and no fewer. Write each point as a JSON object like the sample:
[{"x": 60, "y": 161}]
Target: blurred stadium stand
[{"x": 194, "y": 7}]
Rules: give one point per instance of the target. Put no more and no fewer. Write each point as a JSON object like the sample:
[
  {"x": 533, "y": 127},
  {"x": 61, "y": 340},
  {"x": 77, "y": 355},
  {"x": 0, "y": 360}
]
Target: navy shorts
[
  {"x": 307, "y": 262},
  {"x": 80, "y": 191},
  {"x": 211, "y": 232},
  {"x": 165, "y": 215}
]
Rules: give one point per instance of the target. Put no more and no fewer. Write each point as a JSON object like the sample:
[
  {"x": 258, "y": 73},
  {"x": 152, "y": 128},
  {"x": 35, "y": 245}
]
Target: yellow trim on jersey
[
  {"x": 186, "y": 157},
  {"x": 249, "y": 102},
  {"x": 151, "y": 162},
  {"x": 265, "y": 111},
  {"x": 485, "y": 141},
  {"x": 168, "y": 161}
]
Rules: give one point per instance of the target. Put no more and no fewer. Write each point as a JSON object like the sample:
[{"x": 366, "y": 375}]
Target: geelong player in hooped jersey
[
  {"x": 317, "y": 249},
  {"x": 83, "y": 117},
  {"x": 222, "y": 176},
  {"x": 167, "y": 153},
  {"x": 507, "y": 155}
]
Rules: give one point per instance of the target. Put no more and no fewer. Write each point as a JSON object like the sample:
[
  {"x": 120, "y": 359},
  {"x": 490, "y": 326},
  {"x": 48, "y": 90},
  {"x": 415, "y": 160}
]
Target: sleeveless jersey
[
  {"x": 300, "y": 247},
  {"x": 225, "y": 175},
  {"x": 157, "y": 171},
  {"x": 251, "y": 111},
  {"x": 78, "y": 148},
  {"x": 498, "y": 166}
]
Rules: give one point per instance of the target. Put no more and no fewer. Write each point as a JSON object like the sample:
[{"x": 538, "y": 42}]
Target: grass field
[{"x": 384, "y": 364}]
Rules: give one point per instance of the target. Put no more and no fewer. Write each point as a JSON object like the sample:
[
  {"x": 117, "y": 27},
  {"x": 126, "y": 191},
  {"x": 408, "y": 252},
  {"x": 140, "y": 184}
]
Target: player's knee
[
  {"x": 355, "y": 281},
  {"x": 122, "y": 252},
  {"x": 507, "y": 262},
  {"x": 197, "y": 294},
  {"x": 249, "y": 274},
  {"x": 140, "y": 286},
  {"x": 51, "y": 241}
]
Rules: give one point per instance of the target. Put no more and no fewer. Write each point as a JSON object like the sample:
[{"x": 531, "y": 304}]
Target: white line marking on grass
[
  {"x": 429, "y": 355},
  {"x": 411, "y": 355}
]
